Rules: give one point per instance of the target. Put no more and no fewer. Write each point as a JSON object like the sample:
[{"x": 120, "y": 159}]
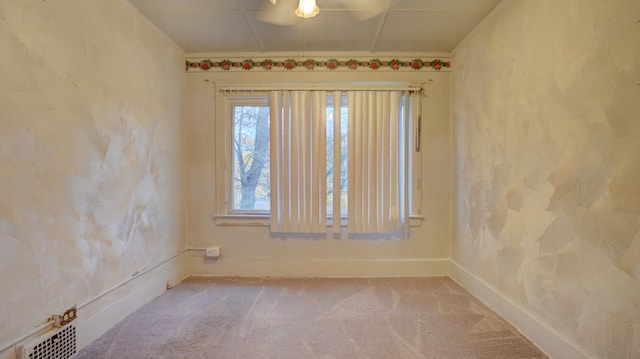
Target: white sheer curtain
[
  {"x": 298, "y": 161},
  {"x": 377, "y": 179}
]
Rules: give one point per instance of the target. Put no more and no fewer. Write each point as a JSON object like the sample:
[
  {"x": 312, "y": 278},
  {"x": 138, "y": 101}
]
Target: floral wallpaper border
[{"x": 311, "y": 64}]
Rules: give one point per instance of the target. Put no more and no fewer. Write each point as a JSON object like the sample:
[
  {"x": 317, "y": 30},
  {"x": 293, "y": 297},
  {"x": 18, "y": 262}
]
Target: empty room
[{"x": 319, "y": 179}]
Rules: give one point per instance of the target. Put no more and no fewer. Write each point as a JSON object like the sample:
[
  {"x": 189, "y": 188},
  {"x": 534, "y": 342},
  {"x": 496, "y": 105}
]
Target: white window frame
[{"x": 226, "y": 216}]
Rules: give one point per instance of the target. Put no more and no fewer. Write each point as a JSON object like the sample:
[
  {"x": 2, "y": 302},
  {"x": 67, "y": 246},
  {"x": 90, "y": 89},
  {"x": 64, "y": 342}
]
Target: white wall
[
  {"x": 547, "y": 209},
  {"x": 546, "y": 97},
  {"x": 91, "y": 155},
  {"x": 254, "y": 251}
]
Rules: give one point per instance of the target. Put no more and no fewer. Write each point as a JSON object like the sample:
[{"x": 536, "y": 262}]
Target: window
[
  {"x": 250, "y": 173},
  {"x": 252, "y": 142},
  {"x": 250, "y": 191}
]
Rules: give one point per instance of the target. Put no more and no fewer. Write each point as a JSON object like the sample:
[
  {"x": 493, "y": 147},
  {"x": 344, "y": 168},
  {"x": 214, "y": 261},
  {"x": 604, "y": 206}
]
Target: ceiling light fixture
[{"x": 307, "y": 9}]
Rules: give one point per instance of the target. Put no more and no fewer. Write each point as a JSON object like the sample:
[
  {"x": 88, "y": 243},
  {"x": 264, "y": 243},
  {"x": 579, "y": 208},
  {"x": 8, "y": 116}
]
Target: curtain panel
[
  {"x": 377, "y": 164},
  {"x": 298, "y": 161},
  {"x": 376, "y": 160}
]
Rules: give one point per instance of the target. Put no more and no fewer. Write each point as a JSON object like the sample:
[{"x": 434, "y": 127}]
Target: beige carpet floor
[{"x": 313, "y": 318}]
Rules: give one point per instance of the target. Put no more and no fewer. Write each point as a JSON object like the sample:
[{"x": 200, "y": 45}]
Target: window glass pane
[
  {"x": 250, "y": 169},
  {"x": 344, "y": 126}
]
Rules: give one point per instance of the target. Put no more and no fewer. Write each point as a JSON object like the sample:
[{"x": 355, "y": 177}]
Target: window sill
[
  {"x": 243, "y": 220},
  {"x": 263, "y": 220}
]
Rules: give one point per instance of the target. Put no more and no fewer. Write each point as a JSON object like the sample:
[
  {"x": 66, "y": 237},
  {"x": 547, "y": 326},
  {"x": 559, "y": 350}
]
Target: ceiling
[{"x": 342, "y": 25}]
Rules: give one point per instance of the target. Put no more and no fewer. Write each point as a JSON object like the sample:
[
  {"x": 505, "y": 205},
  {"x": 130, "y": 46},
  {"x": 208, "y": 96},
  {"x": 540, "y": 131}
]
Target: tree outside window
[
  {"x": 251, "y": 192},
  {"x": 251, "y": 158}
]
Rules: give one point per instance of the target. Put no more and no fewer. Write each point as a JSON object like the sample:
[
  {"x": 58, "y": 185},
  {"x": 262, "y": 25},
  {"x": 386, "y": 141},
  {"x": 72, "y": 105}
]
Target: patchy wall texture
[
  {"x": 252, "y": 250},
  {"x": 547, "y": 129},
  {"x": 90, "y": 153}
]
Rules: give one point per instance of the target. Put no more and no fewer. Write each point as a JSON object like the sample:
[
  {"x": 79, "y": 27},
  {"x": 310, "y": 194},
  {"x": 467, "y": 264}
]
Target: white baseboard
[
  {"x": 328, "y": 268},
  {"x": 101, "y": 315},
  {"x": 547, "y": 339}
]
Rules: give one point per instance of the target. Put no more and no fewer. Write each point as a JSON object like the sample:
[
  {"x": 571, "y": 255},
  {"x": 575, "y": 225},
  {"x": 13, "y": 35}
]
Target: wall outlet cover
[{"x": 212, "y": 252}]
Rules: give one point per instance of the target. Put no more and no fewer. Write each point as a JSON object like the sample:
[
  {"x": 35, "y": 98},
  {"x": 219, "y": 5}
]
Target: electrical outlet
[
  {"x": 68, "y": 316},
  {"x": 212, "y": 252}
]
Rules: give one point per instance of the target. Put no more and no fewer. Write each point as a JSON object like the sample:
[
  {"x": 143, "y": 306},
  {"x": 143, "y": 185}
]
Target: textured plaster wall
[
  {"x": 245, "y": 245},
  {"x": 546, "y": 106},
  {"x": 91, "y": 153}
]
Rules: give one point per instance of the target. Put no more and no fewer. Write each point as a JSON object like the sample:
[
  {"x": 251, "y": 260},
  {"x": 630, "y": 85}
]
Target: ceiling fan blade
[
  {"x": 280, "y": 13},
  {"x": 365, "y": 9}
]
